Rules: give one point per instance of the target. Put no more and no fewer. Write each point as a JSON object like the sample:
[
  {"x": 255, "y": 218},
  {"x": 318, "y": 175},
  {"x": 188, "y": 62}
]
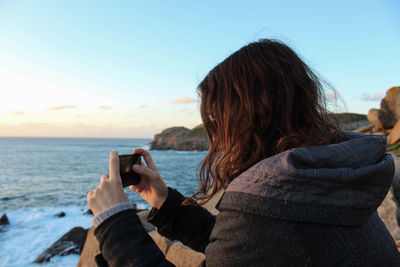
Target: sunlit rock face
[
  {"x": 181, "y": 138},
  {"x": 389, "y": 113}
]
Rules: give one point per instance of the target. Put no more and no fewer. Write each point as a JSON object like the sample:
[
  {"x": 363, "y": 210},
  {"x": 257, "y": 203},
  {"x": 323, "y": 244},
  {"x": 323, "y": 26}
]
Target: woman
[{"x": 298, "y": 191}]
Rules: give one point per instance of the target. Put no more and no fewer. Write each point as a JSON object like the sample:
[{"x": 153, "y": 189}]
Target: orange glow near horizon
[{"x": 36, "y": 108}]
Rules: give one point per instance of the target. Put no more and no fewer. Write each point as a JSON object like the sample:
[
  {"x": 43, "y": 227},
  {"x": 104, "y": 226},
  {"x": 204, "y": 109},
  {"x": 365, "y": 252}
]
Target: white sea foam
[
  {"x": 146, "y": 147},
  {"x": 32, "y": 230}
]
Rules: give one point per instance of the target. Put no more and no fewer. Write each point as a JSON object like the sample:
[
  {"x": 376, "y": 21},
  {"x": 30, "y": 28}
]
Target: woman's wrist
[{"x": 161, "y": 199}]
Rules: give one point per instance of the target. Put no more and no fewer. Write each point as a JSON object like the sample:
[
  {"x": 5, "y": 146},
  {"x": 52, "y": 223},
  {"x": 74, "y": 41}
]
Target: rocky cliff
[
  {"x": 351, "y": 121},
  {"x": 181, "y": 138}
]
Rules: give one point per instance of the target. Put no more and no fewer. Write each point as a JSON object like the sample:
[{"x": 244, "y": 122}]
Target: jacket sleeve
[
  {"x": 192, "y": 225},
  {"x": 124, "y": 242}
]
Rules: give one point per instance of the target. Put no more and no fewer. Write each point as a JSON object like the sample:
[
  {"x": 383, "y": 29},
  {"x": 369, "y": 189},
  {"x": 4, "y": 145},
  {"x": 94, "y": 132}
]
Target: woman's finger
[
  {"x": 114, "y": 165},
  {"x": 89, "y": 195},
  {"x": 147, "y": 157},
  {"x": 103, "y": 178}
]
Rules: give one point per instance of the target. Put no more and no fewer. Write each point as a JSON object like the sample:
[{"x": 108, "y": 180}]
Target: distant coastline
[{"x": 184, "y": 139}]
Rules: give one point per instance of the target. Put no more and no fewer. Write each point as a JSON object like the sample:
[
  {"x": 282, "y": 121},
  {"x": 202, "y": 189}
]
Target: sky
[{"x": 129, "y": 69}]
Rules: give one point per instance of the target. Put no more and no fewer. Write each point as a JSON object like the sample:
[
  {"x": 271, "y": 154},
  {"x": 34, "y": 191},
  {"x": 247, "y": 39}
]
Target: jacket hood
[{"x": 341, "y": 183}]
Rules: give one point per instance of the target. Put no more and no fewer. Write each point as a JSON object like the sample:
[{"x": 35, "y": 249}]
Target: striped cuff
[{"x": 102, "y": 216}]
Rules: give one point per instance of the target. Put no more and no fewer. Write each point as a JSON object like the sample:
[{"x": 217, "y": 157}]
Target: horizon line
[{"x": 76, "y": 137}]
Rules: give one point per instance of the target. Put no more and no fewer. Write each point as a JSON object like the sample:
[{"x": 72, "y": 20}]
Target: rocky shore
[
  {"x": 184, "y": 139},
  {"x": 386, "y": 120}
]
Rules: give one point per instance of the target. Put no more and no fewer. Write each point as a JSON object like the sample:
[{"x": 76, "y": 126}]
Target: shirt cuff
[{"x": 102, "y": 216}]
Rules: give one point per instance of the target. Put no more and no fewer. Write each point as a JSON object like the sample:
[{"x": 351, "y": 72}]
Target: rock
[
  {"x": 351, "y": 121},
  {"x": 143, "y": 218},
  {"x": 375, "y": 118},
  {"x": 376, "y": 129},
  {"x": 162, "y": 242},
  {"x": 60, "y": 214},
  {"x": 389, "y": 113},
  {"x": 4, "y": 220},
  {"x": 364, "y": 129},
  {"x": 391, "y": 105},
  {"x": 181, "y": 138},
  {"x": 387, "y": 212},
  {"x": 394, "y": 135},
  {"x": 396, "y": 190},
  {"x": 89, "y": 251},
  {"x": 70, "y": 243},
  {"x": 210, "y": 205},
  {"x": 181, "y": 255}
]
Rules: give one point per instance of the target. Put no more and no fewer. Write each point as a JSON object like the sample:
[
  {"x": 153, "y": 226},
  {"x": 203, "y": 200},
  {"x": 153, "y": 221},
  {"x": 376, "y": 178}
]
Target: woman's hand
[
  {"x": 151, "y": 187},
  {"x": 110, "y": 191}
]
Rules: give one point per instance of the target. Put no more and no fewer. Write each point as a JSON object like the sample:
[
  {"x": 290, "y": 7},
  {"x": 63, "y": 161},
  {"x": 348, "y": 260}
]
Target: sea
[{"x": 41, "y": 177}]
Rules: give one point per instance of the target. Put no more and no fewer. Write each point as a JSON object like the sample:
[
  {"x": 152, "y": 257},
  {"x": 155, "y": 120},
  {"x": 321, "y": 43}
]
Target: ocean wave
[
  {"x": 32, "y": 230},
  {"x": 146, "y": 147}
]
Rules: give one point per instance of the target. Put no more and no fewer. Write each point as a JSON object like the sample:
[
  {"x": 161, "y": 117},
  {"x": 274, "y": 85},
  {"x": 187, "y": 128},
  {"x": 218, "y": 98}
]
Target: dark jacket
[{"x": 313, "y": 206}]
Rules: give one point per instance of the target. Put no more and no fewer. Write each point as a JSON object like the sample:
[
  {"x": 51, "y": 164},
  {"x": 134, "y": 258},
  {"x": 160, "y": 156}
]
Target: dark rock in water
[
  {"x": 60, "y": 214},
  {"x": 4, "y": 220},
  {"x": 70, "y": 243},
  {"x": 89, "y": 211},
  {"x": 181, "y": 138}
]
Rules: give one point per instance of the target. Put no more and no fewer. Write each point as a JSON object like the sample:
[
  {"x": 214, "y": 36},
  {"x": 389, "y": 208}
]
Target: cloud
[
  {"x": 332, "y": 96},
  {"x": 144, "y": 106},
  {"x": 16, "y": 112},
  {"x": 62, "y": 107},
  {"x": 375, "y": 97},
  {"x": 105, "y": 107},
  {"x": 183, "y": 100}
]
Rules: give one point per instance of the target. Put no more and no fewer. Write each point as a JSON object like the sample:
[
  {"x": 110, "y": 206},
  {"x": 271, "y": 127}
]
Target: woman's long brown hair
[{"x": 260, "y": 101}]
